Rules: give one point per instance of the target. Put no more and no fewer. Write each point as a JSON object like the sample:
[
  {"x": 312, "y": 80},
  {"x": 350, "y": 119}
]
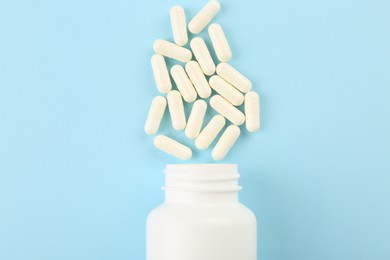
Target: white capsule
[
  {"x": 172, "y": 50},
  {"x": 195, "y": 120},
  {"x": 226, "y": 142},
  {"x": 234, "y": 77},
  {"x": 161, "y": 75},
  {"x": 210, "y": 132},
  {"x": 176, "y": 110},
  {"x": 183, "y": 83},
  {"x": 223, "y": 107},
  {"x": 172, "y": 147},
  {"x": 226, "y": 90},
  {"x": 179, "y": 25},
  {"x": 220, "y": 44},
  {"x": 198, "y": 79},
  {"x": 252, "y": 111},
  {"x": 202, "y": 55},
  {"x": 204, "y": 16},
  {"x": 156, "y": 113}
]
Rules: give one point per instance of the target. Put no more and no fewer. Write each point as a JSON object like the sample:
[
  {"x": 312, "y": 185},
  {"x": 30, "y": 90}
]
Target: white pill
[
  {"x": 179, "y": 25},
  {"x": 234, "y": 77},
  {"x": 226, "y": 109},
  {"x": 199, "y": 80},
  {"x": 172, "y": 50},
  {"x": 220, "y": 44},
  {"x": 183, "y": 83},
  {"x": 210, "y": 132},
  {"x": 204, "y": 16},
  {"x": 176, "y": 110},
  {"x": 172, "y": 147},
  {"x": 195, "y": 120},
  {"x": 202, "y": 55},
  {"x": 156, "y": 113},
  {"x": 226, "y": 90},
  {"x": 226, "y": 142},
  {"x": 161, "y": 75},
  {"x": 252, "y": 111}
]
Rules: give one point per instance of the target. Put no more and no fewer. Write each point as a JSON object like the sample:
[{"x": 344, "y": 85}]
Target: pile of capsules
[{"x": 232, "y": 88}]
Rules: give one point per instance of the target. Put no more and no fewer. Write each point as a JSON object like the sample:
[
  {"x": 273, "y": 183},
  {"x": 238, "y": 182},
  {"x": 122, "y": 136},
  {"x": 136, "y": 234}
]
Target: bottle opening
[{"x": 202, "y": 177}]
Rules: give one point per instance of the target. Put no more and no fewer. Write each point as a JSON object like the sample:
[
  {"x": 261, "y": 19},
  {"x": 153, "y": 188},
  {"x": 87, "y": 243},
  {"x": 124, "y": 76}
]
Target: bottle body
[{"x": 201, "y": 218}]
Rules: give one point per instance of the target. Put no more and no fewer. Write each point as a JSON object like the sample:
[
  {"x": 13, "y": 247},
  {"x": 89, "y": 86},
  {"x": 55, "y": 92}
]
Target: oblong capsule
[
  {"x": 226, "y": 90},
  {"x": 172, "y": 147},
  {"x": 202, "y": 55},
  {"x": 198, "y": 79},
  {"x": 210, "y": 132},
  {"x": 234, "y": 77},
  {"x": 183, "y": 83},
  {"x": 156, "y": 113},
  {"x": 179, "y": 25},
  {"x": 223, "y": 107},
  {"x": 195, "y": 120},
  {"x": 172, "y": 50},
  {"x": 176, "y": 110},
  {"x": 220, "y": 44},
  {"x": 204, "y": 16},
  {"x": 252, "y": 111},
  {"x": 225, "y": 142},
  {"x": 161, "y": 75}
]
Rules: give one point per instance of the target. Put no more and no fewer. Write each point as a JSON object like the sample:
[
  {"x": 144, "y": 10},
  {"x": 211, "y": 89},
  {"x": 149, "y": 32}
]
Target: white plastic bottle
[{"x": 201, "y": 218}]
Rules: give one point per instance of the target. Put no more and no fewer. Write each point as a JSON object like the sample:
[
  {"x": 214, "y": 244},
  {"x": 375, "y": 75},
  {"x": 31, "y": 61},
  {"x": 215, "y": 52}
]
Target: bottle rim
[
  {"x": 201, "y": 168},
  {"x": 201, "y": 177}
]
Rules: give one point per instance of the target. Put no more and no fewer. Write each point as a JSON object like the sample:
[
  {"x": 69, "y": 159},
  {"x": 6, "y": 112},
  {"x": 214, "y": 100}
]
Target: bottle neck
[{"x": 201, "y": 183}]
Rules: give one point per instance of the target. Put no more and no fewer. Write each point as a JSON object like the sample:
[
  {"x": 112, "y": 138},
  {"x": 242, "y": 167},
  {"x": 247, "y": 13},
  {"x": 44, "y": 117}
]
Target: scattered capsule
[
  {"x": 183, "y": 83},
  {"x": 226, "y": 90},
  {"x": 204, "y": 16},
  {"x": 252, "y": 111},
  {"x": 225, "y": 142},
  {"x": 195, "y": 120},
  {"x": 223, "y": 107},
  {"x": 179, "y": 25},
  {"x": 198, "y": 79},
  {"x": 210, "y": 132},
  {"x": 220, "y": 44},
  {"x": 172, "y": 50},
  {"x": 155, "y": 115},
  {"x": 234, "y": 77},
  {"x": 172, "y": 147},
  {"x": 176, "y": 110},
  {"x": 191, "y": 82},
  {"x": 161, "y": 75},
  {"x": 202, "y": 55}
]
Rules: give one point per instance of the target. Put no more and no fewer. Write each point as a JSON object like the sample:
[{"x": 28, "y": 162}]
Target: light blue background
[{"x": 78, "y": 175}]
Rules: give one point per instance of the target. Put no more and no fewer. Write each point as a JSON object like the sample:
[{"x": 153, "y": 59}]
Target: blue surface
[{"x": 78, "y": 175}]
